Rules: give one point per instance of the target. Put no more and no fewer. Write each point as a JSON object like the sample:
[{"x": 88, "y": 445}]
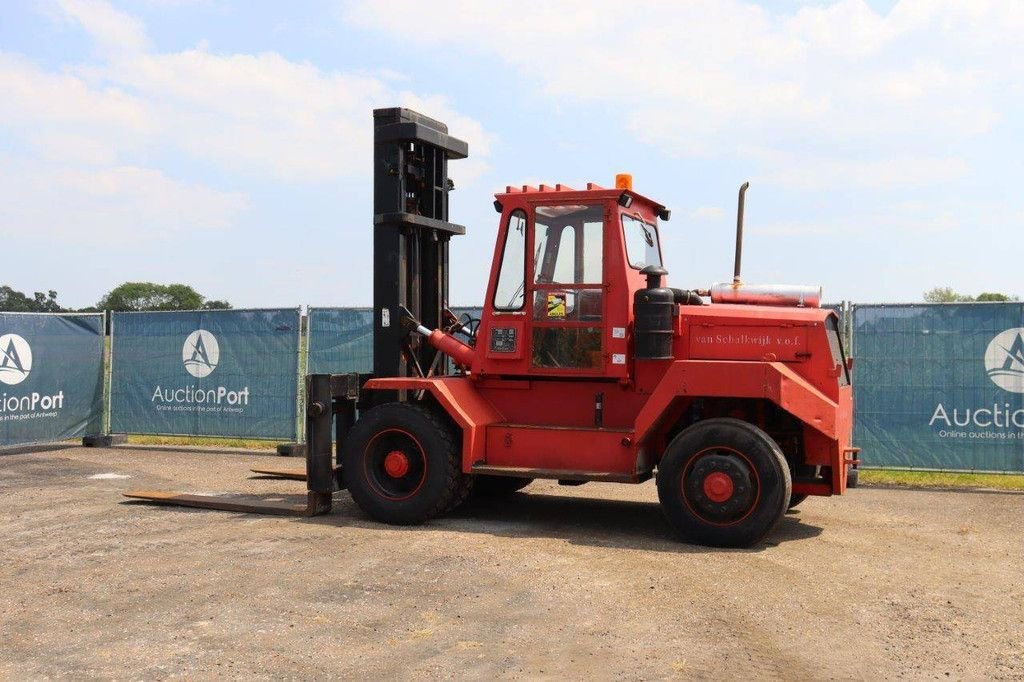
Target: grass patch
[
  {"x": 941, "y": 479},
  {"x": 197, "y": 441}
]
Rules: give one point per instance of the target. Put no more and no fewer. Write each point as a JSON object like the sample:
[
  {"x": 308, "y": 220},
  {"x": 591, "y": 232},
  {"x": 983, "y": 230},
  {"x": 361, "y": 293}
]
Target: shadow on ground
[
  {"x": 591, "y": 521},
  {"x": 587, "y": 521}
]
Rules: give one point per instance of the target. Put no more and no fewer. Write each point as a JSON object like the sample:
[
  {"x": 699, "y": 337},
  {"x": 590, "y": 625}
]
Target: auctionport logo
[
  {"x": 15, "y": 359},
  {"x": 15, "y": 366},
  {"x": 1004, "y": 360},
  {"x": 201, "y": 353},
  {"x": 1002, "y": 420}
]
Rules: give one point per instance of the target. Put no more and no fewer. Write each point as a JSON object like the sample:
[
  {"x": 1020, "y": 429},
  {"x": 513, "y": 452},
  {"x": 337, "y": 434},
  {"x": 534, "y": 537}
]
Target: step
[
  {"x": 560, "y": 474},
  {"x": 548, "y": 427}
]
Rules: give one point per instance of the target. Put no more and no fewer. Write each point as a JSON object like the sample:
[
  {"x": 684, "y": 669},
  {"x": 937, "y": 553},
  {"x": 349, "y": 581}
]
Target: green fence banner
[
  {"x": 940, "y": 386},
  {"x": 51, "y": 377},
  {"x": 341, "y": 339},
  {"x": 206, "y": 373}
]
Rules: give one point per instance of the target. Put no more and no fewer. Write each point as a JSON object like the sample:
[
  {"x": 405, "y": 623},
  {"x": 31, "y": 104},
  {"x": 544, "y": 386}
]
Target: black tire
[
  {"x": 803, "y": 472},
  {"x": 723, "y": 483},
  {"x": 497, "y": 486},
  {"x": 403, "y": 464},
  {"x": 852, "y": 476},
  {"x": 462, "y": 494}
]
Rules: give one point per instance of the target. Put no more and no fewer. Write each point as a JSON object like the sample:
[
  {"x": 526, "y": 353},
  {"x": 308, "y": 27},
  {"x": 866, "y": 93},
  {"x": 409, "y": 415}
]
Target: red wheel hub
[
  {"x": 717, "y": 486},
  {"x": 396, "y": 464}
]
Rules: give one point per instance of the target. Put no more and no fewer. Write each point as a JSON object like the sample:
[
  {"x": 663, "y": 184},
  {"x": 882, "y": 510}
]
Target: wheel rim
[
  {"x": 720, "y": 486},
  {"x": 395, "y": 464}
]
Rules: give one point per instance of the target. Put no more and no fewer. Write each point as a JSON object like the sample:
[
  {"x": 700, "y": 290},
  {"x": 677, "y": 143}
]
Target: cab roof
[{"x": 593, "y": 192}]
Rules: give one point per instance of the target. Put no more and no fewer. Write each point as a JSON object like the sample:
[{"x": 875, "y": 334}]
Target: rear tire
[
  {"x": 723, "y": 483},
  {"x": 498, "y": 486},
  {"x": 403, "y": 464}
]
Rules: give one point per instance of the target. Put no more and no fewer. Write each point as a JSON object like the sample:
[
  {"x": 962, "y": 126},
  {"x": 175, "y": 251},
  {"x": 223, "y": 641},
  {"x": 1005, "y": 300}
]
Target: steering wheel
[{"x": 469, "y": 326}]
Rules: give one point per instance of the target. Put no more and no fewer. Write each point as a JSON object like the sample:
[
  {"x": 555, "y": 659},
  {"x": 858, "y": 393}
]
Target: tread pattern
[
  {"x": 795, "y": 499},
  {"x": 456, "y": 490},
  {"x": 456, "y": 487},
  {"x": 688, "y": 525}
]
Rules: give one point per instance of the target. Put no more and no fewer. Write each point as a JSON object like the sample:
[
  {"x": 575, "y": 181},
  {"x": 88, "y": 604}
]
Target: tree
[
  {"x": 17, "y": 302},
  {"x": 133, "y": 296},
  {"x": 945, "y": 295},
  {"x": 216, "y": 305},
  {"x": 990, "y": 296}
]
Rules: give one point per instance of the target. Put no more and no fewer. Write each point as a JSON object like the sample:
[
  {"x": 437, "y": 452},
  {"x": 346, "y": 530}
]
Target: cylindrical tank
[
  {"x": 804, "y": 296},
  {"x": 653, "y": 310}
]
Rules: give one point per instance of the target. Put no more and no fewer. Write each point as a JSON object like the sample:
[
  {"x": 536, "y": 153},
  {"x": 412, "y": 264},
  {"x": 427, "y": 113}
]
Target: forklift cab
[{"x": 566, "y": 265}]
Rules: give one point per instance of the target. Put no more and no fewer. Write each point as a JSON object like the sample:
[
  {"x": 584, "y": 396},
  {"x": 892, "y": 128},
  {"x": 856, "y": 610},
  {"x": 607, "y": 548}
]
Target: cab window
[
  {"x": 510, "y": 293},
  {"x": 642, "y": 247},
  {"x": 568, "y": 246},
  {"x": 568, "y": 296}
]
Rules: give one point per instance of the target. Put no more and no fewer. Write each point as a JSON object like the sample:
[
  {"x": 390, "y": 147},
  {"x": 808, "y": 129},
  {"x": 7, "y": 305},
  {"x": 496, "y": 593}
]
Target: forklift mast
[{"x": 411, "y": 234}]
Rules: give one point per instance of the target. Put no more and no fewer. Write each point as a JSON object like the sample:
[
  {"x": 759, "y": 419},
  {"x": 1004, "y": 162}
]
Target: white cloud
[
  {"x": 718, "y": 78},
  {"x": 90, "y": 139},
  {"x": 260, "y": 115},
  {"x": 86, "y": 205},
  {"x": 848, "y": 28},
  {"x": 883, "y": 173},
  {"x": 37, "y": 100},
  {"x": 111, "y": 29}
]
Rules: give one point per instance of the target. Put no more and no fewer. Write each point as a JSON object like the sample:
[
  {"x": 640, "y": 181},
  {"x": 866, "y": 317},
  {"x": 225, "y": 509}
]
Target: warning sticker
[{"x": 556, "y": 305}]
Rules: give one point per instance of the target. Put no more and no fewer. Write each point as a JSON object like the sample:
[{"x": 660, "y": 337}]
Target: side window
[{"x": 510, "y": 294}]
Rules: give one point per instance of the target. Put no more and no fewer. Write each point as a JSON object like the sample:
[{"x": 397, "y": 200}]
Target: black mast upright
[{"x": 411, "y": 231}]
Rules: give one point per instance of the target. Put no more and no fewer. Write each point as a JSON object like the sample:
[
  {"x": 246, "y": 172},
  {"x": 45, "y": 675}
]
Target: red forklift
[{"x": 584, "y": 366}]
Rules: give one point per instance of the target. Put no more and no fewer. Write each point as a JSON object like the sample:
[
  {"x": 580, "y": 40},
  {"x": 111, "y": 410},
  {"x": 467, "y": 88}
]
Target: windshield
[{"x": 642, "y": 248}]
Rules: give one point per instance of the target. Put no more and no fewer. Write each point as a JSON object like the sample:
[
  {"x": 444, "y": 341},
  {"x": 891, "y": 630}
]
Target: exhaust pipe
[
  {"x": 739, "y": 234},
  {"x": 763, "y": 294}
]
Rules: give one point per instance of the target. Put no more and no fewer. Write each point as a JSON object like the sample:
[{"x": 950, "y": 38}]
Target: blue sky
[{"x": 226, "y": 144}]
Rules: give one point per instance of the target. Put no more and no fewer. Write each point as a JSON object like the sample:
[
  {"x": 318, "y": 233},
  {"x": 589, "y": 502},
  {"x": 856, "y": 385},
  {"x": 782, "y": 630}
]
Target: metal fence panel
[
  {"x": 206, "y": 373},
  {"x": 940, "y": 386},
  {"x": 51, "y": 376},
  {"x": 341, "y": 339}
]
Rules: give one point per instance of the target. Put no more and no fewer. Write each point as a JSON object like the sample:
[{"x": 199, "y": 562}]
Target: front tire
[
  {"x": 403, "y": 465},
  {"x": 723, "y": 483}
]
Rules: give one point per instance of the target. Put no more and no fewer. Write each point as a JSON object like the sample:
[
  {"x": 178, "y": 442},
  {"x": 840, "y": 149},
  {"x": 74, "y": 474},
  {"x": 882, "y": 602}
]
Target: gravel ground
[{"x": 552, "y": 583}]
